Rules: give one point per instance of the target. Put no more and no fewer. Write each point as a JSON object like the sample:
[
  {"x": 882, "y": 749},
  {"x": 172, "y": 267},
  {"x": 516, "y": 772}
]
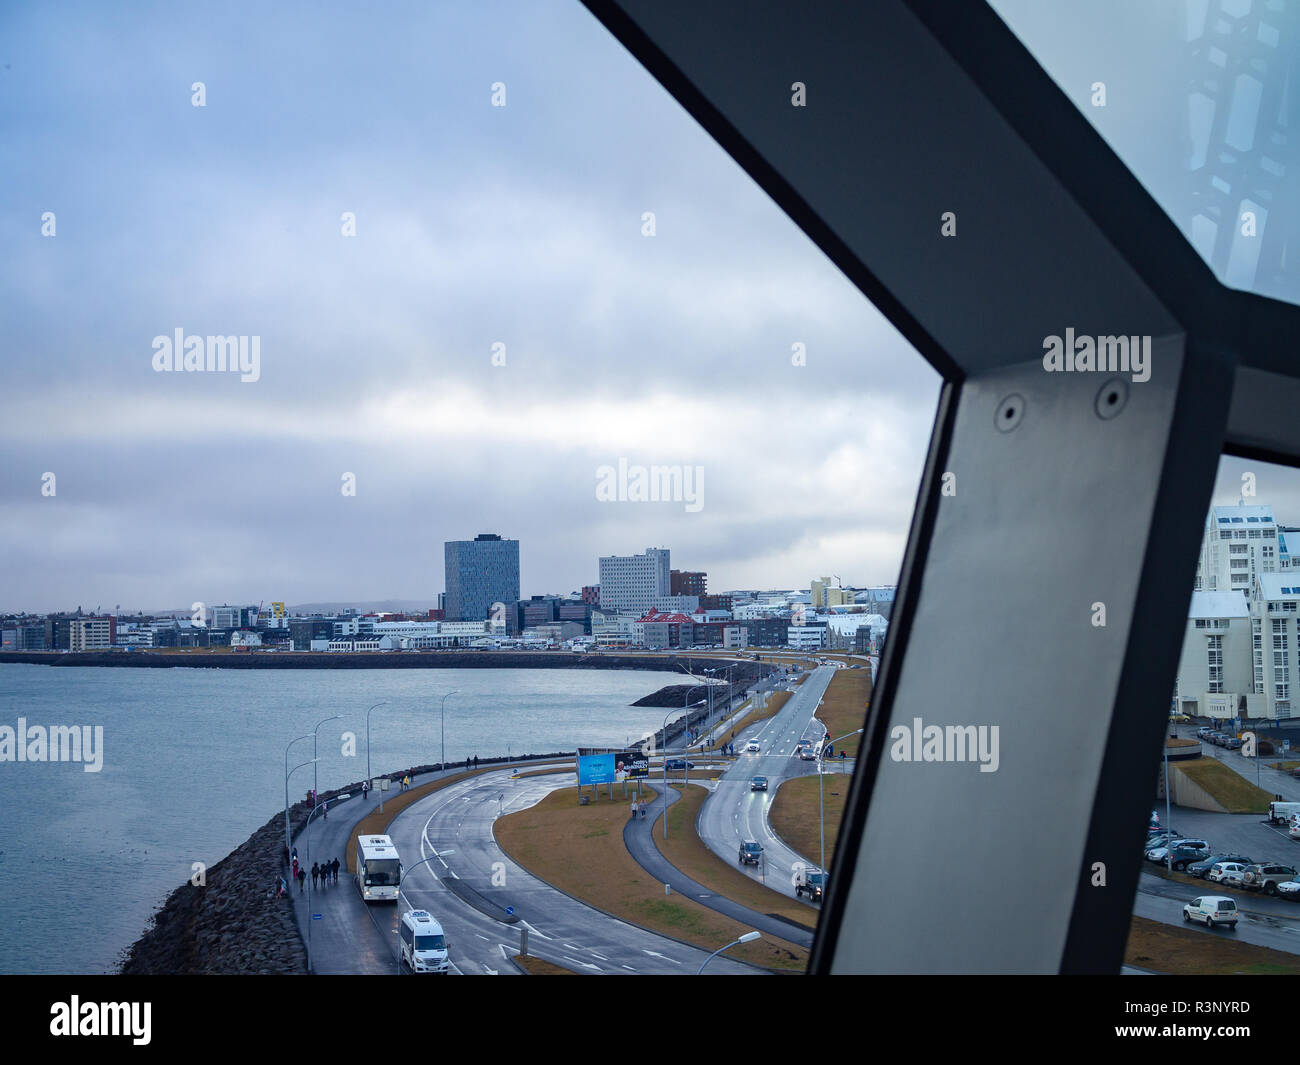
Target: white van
[
  {"x": 1212, "y": 910},
  {"x": 424, "y": 947}
]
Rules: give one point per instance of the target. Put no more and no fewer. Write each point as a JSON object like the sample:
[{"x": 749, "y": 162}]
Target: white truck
[
  {"x": 379, "y": 869},
  {"x": 1280, "y": 812}
]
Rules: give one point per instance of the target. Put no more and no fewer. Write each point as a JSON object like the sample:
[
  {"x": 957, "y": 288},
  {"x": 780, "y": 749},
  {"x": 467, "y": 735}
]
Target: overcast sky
[{"x": 475, "y": 225}]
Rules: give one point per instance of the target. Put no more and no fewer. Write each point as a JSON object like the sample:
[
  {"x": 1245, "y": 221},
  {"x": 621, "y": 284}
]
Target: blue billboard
[{"x": 595, "y": 769}]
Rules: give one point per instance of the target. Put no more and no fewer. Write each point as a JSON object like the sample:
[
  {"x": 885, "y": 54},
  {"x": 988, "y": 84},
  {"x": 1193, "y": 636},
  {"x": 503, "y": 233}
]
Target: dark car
[
  {"x": 811, "y": 884},
  {"x": 750, "y": 852},
  {"x": 680, "y": 763},
  {"x": 1232, "y": 743},
  {"x": 758, "y": 784},
  {"x": 1202, "y": 867}
]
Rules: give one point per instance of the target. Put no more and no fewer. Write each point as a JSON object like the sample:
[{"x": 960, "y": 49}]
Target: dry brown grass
[
  {"x": 687, "y": 852},
  {"x": 538, "y": 967},
  {"x": 794, "y": 813},
  {"x": 579, "y": 849},
  {"x": 1234, "y": 792},
  {"x": 1188, "y": 951},
  {"x": 844, "y": 706}
]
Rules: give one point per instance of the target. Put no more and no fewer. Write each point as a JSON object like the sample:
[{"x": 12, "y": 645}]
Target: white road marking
[
  {"x": 600, "y": 956},
  {"x": 656, "y": 954},
  {"x": 535, "y": 932},
  {"x": 629, "y": 968}
]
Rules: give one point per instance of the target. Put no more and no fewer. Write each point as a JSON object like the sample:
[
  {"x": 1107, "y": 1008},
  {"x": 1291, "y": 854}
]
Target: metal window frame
[{"x": 926, "y": 106}]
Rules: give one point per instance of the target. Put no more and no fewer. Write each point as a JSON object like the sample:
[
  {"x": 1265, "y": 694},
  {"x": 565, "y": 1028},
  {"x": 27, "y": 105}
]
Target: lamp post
[
  {"x": 665, "y": 729},
  {"x": 311, "y": 890},
  {"x": 748, "y": 937},
  {"x": 821, "y": 788},
  {"x": 315, "y": 782},
  {"x": 369, "y": 778},
  {"x": 444, "y": 729},
  {"x": 287, "y": 772}
]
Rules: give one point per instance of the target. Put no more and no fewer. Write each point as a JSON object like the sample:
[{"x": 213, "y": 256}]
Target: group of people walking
[
  {"x": 325, "y": 872},
  {"x": 638, "y": 809},
  {"x": 322, "y": 873}
]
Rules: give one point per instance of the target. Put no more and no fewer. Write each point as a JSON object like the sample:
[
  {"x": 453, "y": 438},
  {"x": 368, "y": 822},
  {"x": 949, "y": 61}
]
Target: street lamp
[
  {"x": 748, "y": 937},
  {"x": 369, "y": 778},
  {"x": 311, "y": 890},
  {"x": 287, "y": 772},
  {"x": 821, "y": 788},
  {"x": 315, "y": 782},
  {"x": 444, "y": 728}
]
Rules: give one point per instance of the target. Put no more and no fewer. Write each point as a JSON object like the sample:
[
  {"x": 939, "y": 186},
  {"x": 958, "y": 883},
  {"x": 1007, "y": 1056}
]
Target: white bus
[{"x": 379, "y": 869}]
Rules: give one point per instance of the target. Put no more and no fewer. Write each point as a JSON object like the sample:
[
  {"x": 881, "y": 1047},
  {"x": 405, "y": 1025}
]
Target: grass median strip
[
  {"x": 688, "y": 852},
  {"x": 844, "y": 706},
  {"x": 794, "y": 813},
  {"x": 538, "y": 967},
  {"x": 580, "y": 850}
]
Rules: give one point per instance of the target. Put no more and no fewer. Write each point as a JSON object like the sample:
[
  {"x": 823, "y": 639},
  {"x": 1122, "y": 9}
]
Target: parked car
[
  {"x": 1289, "y": 889},
  {"x": 758, "y": 784},
  {"x": 1212, "y": 911},
  {"x": 1226, "y": 872},
  {"x": 1265, "y": 877},
  {"x": 1232, "y": 743},
  {"x": 680, "y": 763},
  {"x": 1204, "y": 731},
  {"x": 1187, "y": 852},
  {"x": 1203, "y": 867},
  {"x": 750, "y": 852}
]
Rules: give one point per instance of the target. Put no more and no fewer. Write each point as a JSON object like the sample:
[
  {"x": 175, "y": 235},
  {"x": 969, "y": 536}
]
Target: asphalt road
[
  {"x": 454, "y": 827},
  {"x": 639, "y": 837},
  {"x": 734, "y": 813}
]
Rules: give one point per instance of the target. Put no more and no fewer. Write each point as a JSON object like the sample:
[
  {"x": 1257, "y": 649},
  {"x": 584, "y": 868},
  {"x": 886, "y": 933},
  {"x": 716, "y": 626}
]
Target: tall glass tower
[{"x": 480, "y": 572}]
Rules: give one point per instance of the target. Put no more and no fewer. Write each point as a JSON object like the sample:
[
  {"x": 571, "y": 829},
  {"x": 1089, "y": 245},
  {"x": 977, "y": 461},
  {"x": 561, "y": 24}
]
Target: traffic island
[
  {"x": 578, "y": 849},
  {"x": 688, "y": 852},
  {"x": 794, "y": 813},
  {"x": 844, "y": 707}
]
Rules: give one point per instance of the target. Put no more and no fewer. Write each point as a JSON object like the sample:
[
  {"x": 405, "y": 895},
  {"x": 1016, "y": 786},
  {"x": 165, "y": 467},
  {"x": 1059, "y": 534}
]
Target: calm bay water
[{"x": 194, "y": 763}]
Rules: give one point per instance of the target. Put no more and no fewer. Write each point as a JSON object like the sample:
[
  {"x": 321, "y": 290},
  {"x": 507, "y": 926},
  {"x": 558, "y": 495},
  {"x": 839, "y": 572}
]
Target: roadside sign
[
  {"x": 510, "y": 911},
  {"x": 316, "y": 916}
]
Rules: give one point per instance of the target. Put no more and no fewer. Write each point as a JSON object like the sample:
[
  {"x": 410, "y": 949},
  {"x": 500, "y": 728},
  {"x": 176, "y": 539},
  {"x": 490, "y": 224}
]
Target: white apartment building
[
  {"x": 735, "y": 638},
  {"x": 806, "y": 637},
  {"x": 1275, "y": 606},
  {"x": 1214, "y": 671},
  {"x": 631, "y": 583},
  {"x": 1240, "y": 543}
]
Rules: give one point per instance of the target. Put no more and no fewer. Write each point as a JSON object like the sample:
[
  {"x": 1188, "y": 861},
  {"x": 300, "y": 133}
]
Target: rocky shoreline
[{"x": 232, "y": 925}]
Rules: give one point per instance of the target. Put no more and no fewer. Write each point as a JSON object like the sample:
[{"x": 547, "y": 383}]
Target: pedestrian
[
  {"x": 643, "y": 810},
  {"x": 334, "y": 867},
  {"x": 363, "y": 791},
  {"x": 280, "y": 891},
  {"x": 325, "y": 811},
  {"x": 302, "y": 878},
  {"x": 476, "y": 761},
  {"x": 634, "y": 810},
  {"x": 295, "y": 865},
  {"x": 315, "y": 872}
]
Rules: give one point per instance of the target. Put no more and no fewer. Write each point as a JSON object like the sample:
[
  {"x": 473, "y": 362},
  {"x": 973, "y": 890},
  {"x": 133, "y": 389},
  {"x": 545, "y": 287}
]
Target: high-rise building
[
  {"x": 631, "y": 583},
  {"x": 480, "y": 572},
  {"x": 92, "y": 634},
  {"x": 687, "y": 582},
  {"x": 1240, "y": 543}
]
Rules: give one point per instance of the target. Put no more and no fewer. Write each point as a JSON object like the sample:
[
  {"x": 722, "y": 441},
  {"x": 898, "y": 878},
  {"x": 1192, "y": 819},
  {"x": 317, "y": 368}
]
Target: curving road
[
  {"x": 453, "y": 827},
  {"x": 734, "y": 813}
]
